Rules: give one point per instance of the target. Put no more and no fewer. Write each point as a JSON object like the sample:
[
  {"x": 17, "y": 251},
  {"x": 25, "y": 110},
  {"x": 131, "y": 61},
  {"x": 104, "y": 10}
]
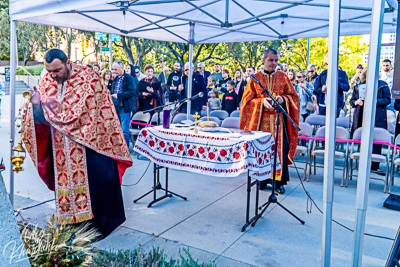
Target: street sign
[
  {"x": 115, "y": 38},
  {"x": 7, "y": 74},
  {"x": 105, "y": 49},
  {"x": 101, "y": 36}
]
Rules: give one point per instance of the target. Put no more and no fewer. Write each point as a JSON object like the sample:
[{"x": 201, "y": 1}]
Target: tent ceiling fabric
[{"x": 168, "y": 20}]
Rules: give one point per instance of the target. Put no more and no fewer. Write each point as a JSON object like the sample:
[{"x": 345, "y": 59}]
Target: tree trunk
[
  {"x": 55, "y": 36},
  {"x": 127, "y": 48}
]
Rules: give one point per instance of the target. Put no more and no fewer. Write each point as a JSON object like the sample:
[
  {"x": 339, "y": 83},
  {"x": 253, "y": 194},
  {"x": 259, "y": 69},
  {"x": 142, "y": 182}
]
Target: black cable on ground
[
  {"x": 139, "y": 178},
  {"x": 309, "y": 198},
  {"x": 41, "y": 203}
]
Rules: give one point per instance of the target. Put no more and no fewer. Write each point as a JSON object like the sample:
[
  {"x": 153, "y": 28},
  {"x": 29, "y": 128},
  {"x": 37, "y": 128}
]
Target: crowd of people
[
  {"x": 224, "y": 89},
  {"x": 71, "y": 123}
]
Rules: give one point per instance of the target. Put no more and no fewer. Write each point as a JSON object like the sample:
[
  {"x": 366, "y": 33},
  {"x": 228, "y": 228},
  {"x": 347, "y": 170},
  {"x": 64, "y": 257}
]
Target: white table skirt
[{"x": 217, "y": 154}]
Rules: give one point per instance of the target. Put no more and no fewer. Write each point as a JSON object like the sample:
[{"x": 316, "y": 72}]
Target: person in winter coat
[{"x": 382, "y": 101}]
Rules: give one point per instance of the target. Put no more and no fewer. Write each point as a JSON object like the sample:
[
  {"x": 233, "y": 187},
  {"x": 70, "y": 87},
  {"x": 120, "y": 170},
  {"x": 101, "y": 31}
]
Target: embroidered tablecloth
[{"x": 217, "y": 154}]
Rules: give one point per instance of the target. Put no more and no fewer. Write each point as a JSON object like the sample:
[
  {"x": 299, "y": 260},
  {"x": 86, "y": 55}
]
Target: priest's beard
[{"x": 65, "y": 75}]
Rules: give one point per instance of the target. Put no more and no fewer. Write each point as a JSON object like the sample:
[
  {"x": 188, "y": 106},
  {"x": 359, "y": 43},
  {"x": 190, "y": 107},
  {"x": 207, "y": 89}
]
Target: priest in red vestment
[
  {"x": 72, "y": 133},
  {"x": 258, "y": 113}
]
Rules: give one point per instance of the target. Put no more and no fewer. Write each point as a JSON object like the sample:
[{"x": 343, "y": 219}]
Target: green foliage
[
  {"x": 138, "y": 257},
  {"x": 4, "y": 4},
  {"x": 60, "y": 245},
  {"x": 34, "y": 70},
  {"x": 27, "y": 37},
  {"x": 350, "y": 50},
  {"x": 249, "y": 53}
]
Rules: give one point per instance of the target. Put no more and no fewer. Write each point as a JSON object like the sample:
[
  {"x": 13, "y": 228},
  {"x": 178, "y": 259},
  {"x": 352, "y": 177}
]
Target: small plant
[
  {"x": 138, "y": 257},
  {"x": 190, "y": 262},
  {"x": 60, "y": 245}
]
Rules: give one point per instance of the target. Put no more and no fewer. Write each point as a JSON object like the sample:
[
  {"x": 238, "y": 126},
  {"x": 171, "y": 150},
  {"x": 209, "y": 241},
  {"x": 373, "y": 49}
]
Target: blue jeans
[{"x": 124, "y": 119}]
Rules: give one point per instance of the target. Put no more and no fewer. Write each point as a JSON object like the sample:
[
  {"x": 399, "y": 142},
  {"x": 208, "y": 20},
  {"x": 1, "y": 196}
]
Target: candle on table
[{"x": 208, "y": 113}]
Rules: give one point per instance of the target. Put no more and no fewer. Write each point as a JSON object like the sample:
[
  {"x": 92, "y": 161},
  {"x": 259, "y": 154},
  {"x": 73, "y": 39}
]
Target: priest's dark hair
[
  {"x": 54, "y": 53},
  {"x": 270, "y": 50}
]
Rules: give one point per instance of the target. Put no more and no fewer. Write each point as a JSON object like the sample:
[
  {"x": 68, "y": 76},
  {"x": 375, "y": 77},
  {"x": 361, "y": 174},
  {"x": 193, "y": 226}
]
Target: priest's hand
[
  {"x": 267, "y": 103},
  {"x": 280, "y": 100},
  {"x": 35, "y": 99},
  {"x": 115, "y": 96}
]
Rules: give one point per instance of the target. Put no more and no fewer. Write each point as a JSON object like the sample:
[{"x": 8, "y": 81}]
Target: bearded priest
[
  {"x": 258, "y": 113},
  {"x": 74, "y": 138}
]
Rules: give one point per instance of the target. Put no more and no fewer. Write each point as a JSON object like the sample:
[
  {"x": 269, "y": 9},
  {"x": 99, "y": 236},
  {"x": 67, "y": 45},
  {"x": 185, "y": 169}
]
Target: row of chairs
[
  {"x": 221, "y": 114},
  {"x": 345, "y": 122},
  {"x": 144, "y": 118},
  {"x": 349, "y": 152}
]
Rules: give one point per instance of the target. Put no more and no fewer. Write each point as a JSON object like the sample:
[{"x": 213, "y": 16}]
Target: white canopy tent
[{"x": 214, "y": 21}]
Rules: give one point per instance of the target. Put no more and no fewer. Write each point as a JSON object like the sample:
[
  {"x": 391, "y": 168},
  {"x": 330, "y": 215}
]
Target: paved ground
[{"x": 209, "y": 222}]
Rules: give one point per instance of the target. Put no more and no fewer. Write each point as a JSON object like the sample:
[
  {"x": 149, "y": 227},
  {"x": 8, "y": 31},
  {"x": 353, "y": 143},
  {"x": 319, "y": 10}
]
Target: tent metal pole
[
  {"x": 110, "y": 57},
  {"x": 13, "y": 65},
  {"x": 330, "y": 131},
  {"x": 189, "y": 89},
  {"x": 367, "y": 130},
  {"x": 308, "y": 52},
  {"x": 226, "y": 12}
]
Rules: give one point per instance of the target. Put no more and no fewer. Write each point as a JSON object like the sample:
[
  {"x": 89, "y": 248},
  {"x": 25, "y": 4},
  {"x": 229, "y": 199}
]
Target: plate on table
[
  {"x": 214, "y": 129},
  {"x": 183, "y": 126},
  {"x": 187, "y": 122}
]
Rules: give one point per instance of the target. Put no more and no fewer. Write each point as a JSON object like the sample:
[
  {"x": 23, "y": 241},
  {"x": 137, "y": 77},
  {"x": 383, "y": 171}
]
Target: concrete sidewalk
[{"x": 209, "y": 222}]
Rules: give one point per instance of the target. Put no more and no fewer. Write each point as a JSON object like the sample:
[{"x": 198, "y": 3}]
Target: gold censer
[{"x": 18, "y": 159}]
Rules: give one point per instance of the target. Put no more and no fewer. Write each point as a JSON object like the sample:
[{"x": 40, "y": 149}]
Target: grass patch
[{"x": 34, "y": 70}]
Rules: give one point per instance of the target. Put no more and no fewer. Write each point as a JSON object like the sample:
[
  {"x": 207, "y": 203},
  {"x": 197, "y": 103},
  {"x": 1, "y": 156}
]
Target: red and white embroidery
[{"x": 211, "y": 155}]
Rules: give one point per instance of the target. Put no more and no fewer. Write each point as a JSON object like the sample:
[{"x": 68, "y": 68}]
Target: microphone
[
  {"x": 254, "y": 79},
  {"x": 194, "y": 97}
]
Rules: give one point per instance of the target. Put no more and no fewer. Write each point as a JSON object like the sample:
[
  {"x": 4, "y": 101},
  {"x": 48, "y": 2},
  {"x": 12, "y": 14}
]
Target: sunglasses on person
[
  {"x": 186, "y": 69},
  {"x": 311, "y": 71},
  {"x": 137, "y": 72},
  {"x": 298, "y": 77}
]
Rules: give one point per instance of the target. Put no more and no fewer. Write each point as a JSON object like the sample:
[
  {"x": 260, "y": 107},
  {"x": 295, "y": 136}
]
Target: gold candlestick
[
  {"x": 208, "y": 113},
  {"x": 195, "y": 116}
]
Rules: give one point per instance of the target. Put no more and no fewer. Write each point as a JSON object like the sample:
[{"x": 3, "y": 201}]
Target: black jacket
[
  {"x": 397, "y": 107},
  {"x": 175, "y": 79},
  {"x": 313, "y": 79},
  {"x": 343, "y": 86},
  {"x": 242, "y": 87},
  {"x": 128, "y": 95},
  {"x": 382, "y": 101},
  {"x": 230, "y": 102},
  {"x": 197, "y": 86},
  {"x": 222, "y": 84},
  {"x": 205, "y": 75}
]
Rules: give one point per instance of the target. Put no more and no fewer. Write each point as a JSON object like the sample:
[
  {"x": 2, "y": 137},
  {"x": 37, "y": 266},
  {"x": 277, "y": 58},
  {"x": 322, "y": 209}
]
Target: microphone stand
[
  {"x": 156, "y": 172},
  {"x": 273, "y": 197}
]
